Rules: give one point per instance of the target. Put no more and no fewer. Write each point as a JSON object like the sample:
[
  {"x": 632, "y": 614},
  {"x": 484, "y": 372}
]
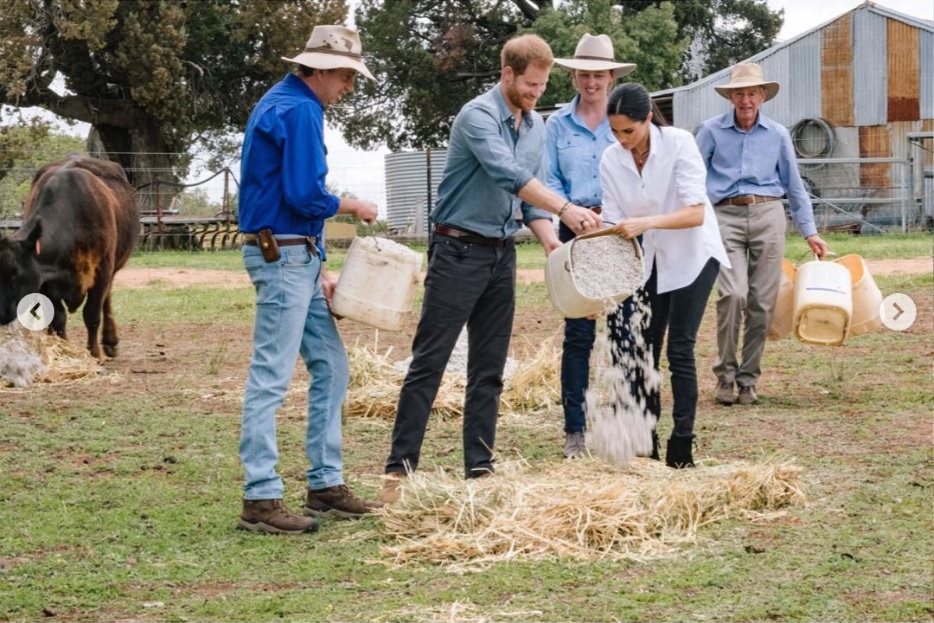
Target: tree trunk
[{"x": 142, "y": 154}]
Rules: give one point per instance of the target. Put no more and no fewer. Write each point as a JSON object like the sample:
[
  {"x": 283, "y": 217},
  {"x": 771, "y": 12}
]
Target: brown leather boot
[
  {"x": 273, "y": 517},
  {"x": 338, "y": 502}
]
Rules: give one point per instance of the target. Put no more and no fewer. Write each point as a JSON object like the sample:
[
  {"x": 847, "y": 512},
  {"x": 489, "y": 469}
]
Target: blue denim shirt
[
  {"x": 284, "y": 164},
  {"x": 759, "y": 162},
  {"x": 572, "y": 155},
  {"x": 488, "y": 162}
]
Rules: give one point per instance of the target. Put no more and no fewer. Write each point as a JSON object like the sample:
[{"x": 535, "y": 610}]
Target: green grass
[
  {"x": 530, "y": 255},
  {"x": 121, "y": 495}
]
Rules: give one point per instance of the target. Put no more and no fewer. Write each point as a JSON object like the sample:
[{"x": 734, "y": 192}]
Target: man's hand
[
  {"x": 366, "y": 211},
  {"x": 818, "y": 246},
  {"x": 328, "y": 285},
  {"x": 581, "y": 220}
]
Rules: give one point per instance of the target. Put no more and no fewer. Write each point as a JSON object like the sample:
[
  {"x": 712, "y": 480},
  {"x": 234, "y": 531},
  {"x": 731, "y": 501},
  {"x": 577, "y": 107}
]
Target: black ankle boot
[{"x": 679, "y": 452}]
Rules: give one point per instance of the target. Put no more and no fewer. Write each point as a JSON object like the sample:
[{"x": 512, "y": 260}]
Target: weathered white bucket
[
  {"x": 823, "y": 303},
  {"x": 378, "y": 282},
  {"x": 582, "y": 289},
  {"x": 783, "y": 313},
  {"x": 867, "y": 298}
]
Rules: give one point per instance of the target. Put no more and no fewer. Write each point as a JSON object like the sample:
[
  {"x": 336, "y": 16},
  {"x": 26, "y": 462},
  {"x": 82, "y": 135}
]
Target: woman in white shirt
[{"x": 654, "y": 185}]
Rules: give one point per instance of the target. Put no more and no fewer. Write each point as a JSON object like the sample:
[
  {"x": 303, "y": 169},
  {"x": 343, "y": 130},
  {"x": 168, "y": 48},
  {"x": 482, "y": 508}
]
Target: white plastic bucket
[
  {"x": 378, "y": 282},
  {"x": 783, "y": 312},
  {"x": 823, "y": 303},
  {"x": 867, "y": 298},
  {"x": 565, "y": 280}
]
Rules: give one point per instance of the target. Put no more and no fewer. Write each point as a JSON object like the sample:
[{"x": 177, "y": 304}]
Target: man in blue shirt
[
  {"x": 489, "y": 184},
  {"x": 576, "y": 136},
  {"x": 750, "y": 165},
  {"x": 283, "y": 206}
]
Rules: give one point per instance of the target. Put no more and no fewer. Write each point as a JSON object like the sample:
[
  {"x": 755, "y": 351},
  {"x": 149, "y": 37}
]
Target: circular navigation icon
[
  {"x": 35, "y": 311},
  {"x": 898, "y": 311}
]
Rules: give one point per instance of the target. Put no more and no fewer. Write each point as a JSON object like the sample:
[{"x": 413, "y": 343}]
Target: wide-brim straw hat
[
  {"x": 595, "y": 53},
  {"x": 333, "y": 47},
  {"x": 747, "y": 75}
]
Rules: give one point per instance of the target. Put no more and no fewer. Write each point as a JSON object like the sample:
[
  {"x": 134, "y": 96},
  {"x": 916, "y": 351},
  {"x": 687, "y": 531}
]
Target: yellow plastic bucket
[
  {"x": 867, "y": 298},
  {"x": 823, "y": 303},
  {"x": 783, "y": 312}
]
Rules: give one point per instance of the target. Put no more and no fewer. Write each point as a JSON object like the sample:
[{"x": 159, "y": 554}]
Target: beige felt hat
[
  {"x": 333, "y": 47},
  {"x": 595, "y": 53},
  {"x": 748, "y": 75}
]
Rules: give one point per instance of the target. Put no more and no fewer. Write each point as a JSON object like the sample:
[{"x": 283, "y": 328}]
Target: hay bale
[
  {"x": 37, "y": 357},
  {"x": 578, "y": 509}
]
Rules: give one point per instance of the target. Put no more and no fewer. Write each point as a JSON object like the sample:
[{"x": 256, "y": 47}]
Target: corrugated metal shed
[
  {"x": 835, "y": 71},
  {"x": 407, "y": 195}
]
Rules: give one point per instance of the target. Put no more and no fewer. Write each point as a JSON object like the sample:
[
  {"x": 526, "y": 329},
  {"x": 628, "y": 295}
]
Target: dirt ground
[{"x": 142, "y": 277}]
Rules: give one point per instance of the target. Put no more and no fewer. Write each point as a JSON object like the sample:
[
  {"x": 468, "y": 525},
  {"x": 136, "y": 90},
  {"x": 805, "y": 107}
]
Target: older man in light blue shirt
[
  {"x": 489, "y": 182},
  {"x": 750, "y": 166}
]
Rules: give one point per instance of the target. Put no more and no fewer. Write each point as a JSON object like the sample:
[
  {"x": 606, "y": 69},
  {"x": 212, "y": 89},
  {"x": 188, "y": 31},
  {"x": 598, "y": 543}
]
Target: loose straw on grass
[
  {"x": 375, "y": 382},
  {"x": 580, "y": 509},
  {"x": 62, "y": 361}
]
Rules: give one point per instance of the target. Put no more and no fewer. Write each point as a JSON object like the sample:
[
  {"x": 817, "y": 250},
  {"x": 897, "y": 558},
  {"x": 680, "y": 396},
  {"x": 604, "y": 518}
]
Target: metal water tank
[{"x": 407, "y": 194}]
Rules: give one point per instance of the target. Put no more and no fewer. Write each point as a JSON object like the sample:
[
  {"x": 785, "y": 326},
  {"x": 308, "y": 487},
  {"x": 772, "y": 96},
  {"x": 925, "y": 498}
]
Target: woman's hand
[{"x": 633, "y": 227}]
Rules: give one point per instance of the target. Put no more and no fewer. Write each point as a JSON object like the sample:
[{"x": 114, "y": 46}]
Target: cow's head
[{"x": 19, "y": 270}]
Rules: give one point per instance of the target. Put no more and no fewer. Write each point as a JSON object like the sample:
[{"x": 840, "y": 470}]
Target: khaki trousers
[{"x": 754, "y": 237}]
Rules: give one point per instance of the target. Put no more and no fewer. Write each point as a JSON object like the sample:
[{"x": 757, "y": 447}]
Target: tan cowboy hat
[
  {"x": 333, "y": 47},
  {"x": 748, "y": 75},
  {"x": 595, "y": 53}
]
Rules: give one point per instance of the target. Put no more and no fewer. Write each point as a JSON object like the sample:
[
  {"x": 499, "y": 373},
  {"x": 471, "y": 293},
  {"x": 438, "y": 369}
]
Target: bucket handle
[{"x": 607, "y": 231}]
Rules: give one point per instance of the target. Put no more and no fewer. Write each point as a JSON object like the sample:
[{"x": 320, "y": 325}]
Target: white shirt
[{"x": 673, "y": 177}]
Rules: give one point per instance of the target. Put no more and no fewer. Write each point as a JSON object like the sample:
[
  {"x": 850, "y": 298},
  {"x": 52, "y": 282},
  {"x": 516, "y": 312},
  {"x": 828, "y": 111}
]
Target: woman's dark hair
[{"x": 632, "y": 99}]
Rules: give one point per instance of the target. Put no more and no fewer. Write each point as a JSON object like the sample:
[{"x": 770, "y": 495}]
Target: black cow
[{"x": 80, "y": 224}]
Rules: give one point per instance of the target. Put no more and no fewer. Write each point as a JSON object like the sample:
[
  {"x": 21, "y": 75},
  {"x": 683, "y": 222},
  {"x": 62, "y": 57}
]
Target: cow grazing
[{"x": 80, "y": 224}]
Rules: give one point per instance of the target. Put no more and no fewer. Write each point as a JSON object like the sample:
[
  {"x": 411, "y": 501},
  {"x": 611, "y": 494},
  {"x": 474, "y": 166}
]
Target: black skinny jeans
[
  {"x": 680, "y": 313},
  {"x": 468, "y": 284}
]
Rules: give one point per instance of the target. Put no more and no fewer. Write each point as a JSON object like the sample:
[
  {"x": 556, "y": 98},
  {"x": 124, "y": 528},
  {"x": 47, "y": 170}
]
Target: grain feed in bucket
[{"x": 592, "y": 271}]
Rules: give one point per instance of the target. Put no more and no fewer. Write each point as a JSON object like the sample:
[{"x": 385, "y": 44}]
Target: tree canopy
[
  {"x": 431, "y": 56},
  {"x": 153, "y": 78},
  {"x": 723, "y": 32}
]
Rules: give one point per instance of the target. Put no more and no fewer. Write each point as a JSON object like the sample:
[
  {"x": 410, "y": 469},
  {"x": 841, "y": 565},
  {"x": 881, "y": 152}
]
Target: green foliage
[
  {"x": 634, "y": 41},
  {"x": 432, "y": 57},
  {"x": 23, "y": 149},
  {"x": 725, "y": 31},
  {"x": 153, "y": 76}
]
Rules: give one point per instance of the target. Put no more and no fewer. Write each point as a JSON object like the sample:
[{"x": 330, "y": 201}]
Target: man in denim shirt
[
  {"x": 283, "y": 194},
  {"x": 489, "y": 183},
  {"x": 750, "y": 165}
]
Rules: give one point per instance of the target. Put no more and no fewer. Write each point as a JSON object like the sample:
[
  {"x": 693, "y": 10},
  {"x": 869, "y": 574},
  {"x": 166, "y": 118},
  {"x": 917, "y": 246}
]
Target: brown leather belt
[
  {"x": 595, "y": 209},
  {"x": 745, "y": 200},
  {"x": 450, "y": 232},
  {"x": 309, "y": 241}
]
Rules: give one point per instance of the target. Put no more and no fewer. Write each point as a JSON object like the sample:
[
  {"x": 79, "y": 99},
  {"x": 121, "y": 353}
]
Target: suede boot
[{"x": 679, "y": 452}]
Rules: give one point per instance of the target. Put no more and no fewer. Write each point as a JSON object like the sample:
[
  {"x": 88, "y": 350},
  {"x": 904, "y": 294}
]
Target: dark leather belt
[
  {"x": 450, "y": 232},
  {"x": 745, "y": 200},
  {"x": 309, "y": 241},
  {"x": 595, "y": 209}
]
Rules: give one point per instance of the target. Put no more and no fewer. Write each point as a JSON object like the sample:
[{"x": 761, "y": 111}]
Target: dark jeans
[
  {"x": 680, "y": 313},
  {"x": 579, "y": 336},
  {"x": 466, "y": 284}
]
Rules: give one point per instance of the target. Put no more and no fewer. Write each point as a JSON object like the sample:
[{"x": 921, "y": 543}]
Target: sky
[{"x": 361, "y": 172}]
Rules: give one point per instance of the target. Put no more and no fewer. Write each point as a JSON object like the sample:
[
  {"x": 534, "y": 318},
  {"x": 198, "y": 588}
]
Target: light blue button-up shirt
[
  {"x": 488, "y": 162},
  {"x": 572, "y": 155},
  {"x": 758, "y": 162}
]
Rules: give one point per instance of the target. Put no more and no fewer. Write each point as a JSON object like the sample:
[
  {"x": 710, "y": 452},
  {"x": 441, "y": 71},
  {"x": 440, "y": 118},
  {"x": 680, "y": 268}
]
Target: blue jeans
[{"x": 292, "y": 318}]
